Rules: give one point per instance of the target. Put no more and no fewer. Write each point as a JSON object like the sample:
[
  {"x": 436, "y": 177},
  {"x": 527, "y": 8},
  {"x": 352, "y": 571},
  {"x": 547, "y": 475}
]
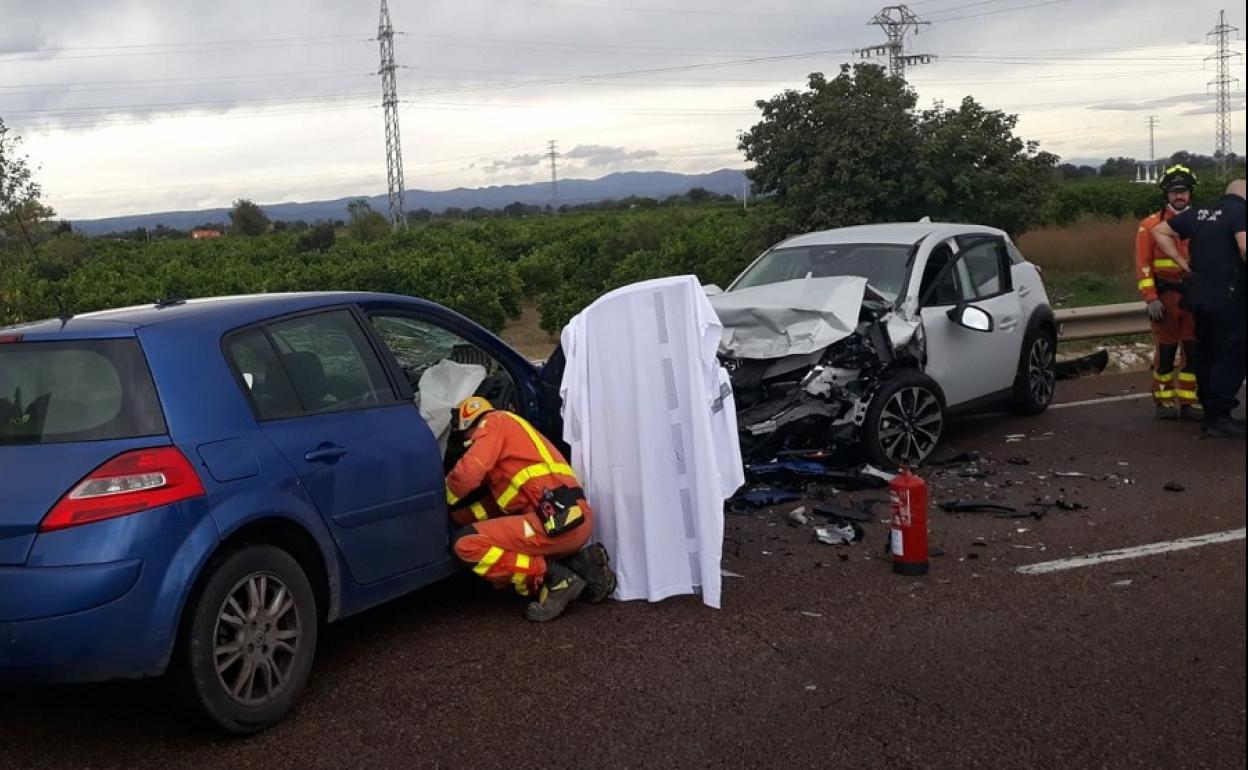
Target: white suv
[{"x": 872, "y": 334}]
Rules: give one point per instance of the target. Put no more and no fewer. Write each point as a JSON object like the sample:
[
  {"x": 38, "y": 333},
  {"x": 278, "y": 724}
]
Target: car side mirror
[{"x": 970, "y": 317}]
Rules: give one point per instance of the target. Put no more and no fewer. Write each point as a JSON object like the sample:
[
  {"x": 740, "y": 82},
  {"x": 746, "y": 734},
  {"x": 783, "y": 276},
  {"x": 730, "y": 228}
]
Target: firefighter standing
[
  {"x": 1160, "y": 281},
  {"x": 522, "y": 514}
]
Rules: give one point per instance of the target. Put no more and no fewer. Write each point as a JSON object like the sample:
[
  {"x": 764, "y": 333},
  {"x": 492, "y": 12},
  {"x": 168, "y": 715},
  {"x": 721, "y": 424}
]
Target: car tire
[
  {"x": 904, "y": 420},
  {"x": 250, "y": 640},
  {"x": 1036, "y": 380}
]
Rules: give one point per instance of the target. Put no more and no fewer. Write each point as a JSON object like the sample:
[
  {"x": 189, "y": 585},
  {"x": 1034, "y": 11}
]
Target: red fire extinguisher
[{"x": 908, "y": 494}]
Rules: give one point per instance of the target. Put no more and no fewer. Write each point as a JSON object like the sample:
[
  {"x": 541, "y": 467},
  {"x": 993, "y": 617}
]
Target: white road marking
[
  {"x": 1132, "y": 553},
  {"x": 1106, "y": 400}
]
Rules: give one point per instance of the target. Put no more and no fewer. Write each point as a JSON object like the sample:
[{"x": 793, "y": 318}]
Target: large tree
[
  {"x": 248, "y": 218},
  {"x": 853, "y": 150},
  {"x": 973, "y": 169},
  {"x": 841, "y": 152}
]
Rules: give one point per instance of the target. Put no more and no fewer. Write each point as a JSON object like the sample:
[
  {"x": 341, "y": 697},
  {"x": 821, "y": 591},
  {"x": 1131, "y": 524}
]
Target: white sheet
[{"x": 649, "y": 416}]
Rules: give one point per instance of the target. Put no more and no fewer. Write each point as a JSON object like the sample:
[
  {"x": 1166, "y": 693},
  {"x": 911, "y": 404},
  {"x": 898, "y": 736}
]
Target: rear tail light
[
  {"x": 10, "y": 338},
  {"x": 129, "y": 483}
]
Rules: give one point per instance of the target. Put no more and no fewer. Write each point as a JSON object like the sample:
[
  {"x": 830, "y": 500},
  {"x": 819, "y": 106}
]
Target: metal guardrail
[{"x": 1084, "y": 323}]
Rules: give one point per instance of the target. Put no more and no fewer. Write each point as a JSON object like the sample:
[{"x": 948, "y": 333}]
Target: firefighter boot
[
  {"x": 1166, "y": 412},
  {"x": 559, "y": 589},
  {"x": 594, "y": 566},
  {"x": 1192, "y": 413}
]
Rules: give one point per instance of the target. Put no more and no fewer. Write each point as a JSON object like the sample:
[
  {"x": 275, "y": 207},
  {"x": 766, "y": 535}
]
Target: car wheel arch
[{"x": 281, "y": 532}]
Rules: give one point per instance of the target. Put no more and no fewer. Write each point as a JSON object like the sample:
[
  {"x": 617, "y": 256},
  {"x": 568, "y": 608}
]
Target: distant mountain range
[{"x": 652, "y": 184}]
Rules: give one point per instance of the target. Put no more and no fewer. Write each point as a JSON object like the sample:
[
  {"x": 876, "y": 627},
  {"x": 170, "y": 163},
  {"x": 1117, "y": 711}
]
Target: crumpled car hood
[{"x": 789, "y": 318}]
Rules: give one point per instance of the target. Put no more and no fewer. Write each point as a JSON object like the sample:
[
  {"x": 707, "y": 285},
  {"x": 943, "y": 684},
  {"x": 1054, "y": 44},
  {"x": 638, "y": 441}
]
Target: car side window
[
  {"x": 264, "y": 381},
  {"x": 985, "y": 266},
  {"x": 941, "y": 283},
  {"x": 330, "y": 362}
]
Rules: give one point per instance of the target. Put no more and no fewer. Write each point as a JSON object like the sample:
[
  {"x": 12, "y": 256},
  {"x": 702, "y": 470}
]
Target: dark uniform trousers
[{"x": 1221, "y": 354}]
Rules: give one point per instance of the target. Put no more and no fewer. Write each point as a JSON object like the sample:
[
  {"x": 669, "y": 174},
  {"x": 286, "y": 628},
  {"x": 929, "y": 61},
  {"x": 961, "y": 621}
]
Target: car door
[
  {"x": 969, "y": 364},
  {"x": 365, "y": 456}
]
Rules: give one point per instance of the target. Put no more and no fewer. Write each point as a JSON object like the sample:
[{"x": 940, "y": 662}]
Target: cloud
[
  {"x": 1210, "y": 109},
  {"x": 599, "y": 155},
  {"x": 1152, "y": 104},
  {"x": 528, "y": 160}
]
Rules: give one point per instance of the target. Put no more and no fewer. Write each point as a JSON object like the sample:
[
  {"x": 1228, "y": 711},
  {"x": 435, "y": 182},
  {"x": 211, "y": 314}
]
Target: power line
[
  {"x": 999, "y": 11},
  {"x": 40, "y": 54}
]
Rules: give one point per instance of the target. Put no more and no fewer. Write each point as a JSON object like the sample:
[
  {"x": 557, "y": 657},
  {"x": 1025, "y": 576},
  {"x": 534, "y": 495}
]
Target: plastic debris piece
[
  {"x": 842, "y": 534},
  {"x": 797, "y": 517},
  {"x": 729, "y": 573},
  {"x": 974, "y": 506},
  {"x": 1121, "y": 583},
  {"x": 812, "y": 614},
  {"x": 1092, "y": 363},
  {"x": 1174, "y": 486},
  {"x": 1019, "y": 461},
  {"x": 841, "y": 514}
]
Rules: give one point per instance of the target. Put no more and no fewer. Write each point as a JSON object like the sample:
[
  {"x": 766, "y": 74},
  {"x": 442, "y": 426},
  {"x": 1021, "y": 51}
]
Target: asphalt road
[{"x": 820, "y": 655}]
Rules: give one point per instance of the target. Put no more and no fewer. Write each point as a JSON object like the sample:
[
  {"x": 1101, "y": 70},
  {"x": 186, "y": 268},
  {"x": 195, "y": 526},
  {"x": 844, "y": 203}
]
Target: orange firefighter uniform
[
  {"x": 1159, "y": 278},
  {"x": 518, "y": 501}
]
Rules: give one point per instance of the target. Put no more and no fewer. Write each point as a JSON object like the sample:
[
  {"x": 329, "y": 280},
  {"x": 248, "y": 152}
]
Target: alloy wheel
[
  {"x": 910, "y": 425},
  {"x": 256, "y": 639},
  {"x": 1041, "y": 375}
]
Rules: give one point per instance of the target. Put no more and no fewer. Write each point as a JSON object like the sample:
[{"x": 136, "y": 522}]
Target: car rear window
[{"x": 84, "y": 390}]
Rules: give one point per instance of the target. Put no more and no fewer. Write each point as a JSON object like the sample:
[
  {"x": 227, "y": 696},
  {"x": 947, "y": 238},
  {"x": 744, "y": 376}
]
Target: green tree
[
  {"x": 973, "y": 169},
  {"x": 21, "y": 212},
  {"x": 841, "y": 152},
  {"x": 852, "y": 150},
  {"x": 364, "y": 223},
  {"x": 248, "y": 218}
]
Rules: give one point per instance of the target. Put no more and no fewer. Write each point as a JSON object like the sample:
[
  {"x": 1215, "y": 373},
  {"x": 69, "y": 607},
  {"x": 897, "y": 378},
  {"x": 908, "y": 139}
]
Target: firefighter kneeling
[{"x": 522, "y": 514}]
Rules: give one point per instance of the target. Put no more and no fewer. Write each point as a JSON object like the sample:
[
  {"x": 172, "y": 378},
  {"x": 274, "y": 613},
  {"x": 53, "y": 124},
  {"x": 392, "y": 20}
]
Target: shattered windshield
[{"x": 882, "y": 264}]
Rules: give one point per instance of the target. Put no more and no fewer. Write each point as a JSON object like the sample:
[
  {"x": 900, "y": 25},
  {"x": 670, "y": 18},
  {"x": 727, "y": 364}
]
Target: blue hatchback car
[{"x": 198, "y": 485}]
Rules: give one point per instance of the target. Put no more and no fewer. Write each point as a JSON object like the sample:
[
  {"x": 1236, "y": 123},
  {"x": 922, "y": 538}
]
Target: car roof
[
  {"x": 907, "y": 233},
  {"x": 222, "y": 313}
]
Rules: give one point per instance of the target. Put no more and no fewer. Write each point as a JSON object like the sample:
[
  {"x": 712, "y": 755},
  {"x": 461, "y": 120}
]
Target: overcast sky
[{"x": 133, "y": 106}]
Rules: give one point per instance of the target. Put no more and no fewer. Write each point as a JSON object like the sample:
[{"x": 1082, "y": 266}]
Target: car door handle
[{"x": 325, "y": 454}]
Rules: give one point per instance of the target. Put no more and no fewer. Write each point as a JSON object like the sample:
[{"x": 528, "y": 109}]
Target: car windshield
[{"x": 882, "y": 264}]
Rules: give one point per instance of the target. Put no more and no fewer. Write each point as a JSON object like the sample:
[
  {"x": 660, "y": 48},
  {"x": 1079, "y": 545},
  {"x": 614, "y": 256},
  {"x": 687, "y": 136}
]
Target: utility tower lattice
[
  {"x": 1224, "y": 54},
  {"x": 552, "y": 150},
  {"x": 390, "y": 106},
  {"x": 897, "y": 21}
]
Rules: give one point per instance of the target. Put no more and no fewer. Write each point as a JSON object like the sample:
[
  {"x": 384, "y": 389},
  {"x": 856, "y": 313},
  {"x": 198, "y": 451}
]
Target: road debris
[
  {"x": 974, "y": 506},
  {"x": 797, "y": 517},
  {"x": 839, "y": 534},
  {"x": 1092, "y": 363},
  {"x": 1174, "y": 486}
]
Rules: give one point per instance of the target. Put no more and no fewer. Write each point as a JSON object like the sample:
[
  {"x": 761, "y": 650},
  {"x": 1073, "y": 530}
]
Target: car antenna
[{"x": 61, "y": 312}]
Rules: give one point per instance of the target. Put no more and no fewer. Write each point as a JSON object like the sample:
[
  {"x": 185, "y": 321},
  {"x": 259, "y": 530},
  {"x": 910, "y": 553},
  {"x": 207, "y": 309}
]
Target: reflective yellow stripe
[
  {"x": 451, "y": 497},
  {"x": 478, "y": 510},
  {"x": 489, "y": 560},
  {"x": 522, "y": 561},
  {"x": 1160, "y": 263},
  {"x": 1186, "y": 377},
  {"x": 548, "y": 466},
  {"x": 1163, "y": 394},
  {"x": 1186, "y": 394},
  {"x": 1148, "y": 283},
  {"x": 521, "y": 584},
  {"x": 1167, "y": 377}
]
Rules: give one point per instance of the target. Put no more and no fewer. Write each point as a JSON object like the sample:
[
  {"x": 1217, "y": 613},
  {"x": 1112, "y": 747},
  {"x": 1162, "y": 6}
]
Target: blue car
[{"x": 197, "y": 486}]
